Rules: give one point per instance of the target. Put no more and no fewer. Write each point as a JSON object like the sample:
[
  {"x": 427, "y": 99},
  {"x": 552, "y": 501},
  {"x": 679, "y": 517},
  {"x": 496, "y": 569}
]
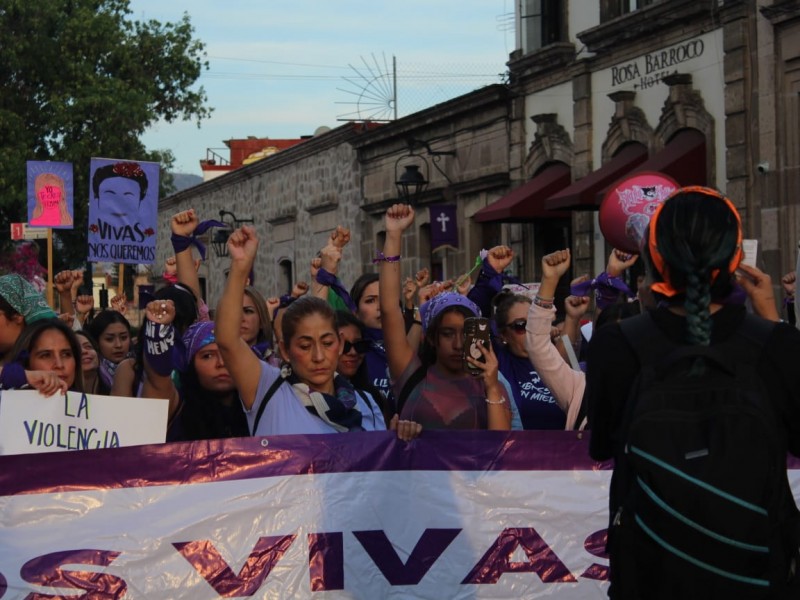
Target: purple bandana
[
  {"x": 198, "y": 335},
  {"x": 431, "y": 309}
]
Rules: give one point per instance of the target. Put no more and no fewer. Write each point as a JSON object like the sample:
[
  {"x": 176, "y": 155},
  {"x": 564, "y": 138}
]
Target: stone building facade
[
  {"x": 705, "y": 91},
  {"x": 590, "y": 82},
  {"x": 295, "y": 198}
]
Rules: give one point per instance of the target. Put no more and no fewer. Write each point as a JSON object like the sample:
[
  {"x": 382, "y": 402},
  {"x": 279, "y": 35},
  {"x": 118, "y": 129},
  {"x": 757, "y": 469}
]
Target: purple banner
[
  {"x": 444, "y": 226},
  {"x": 246, "y": 458},
  {"x": 50, "y": 201},
  {"x": 123, "y": 211}
]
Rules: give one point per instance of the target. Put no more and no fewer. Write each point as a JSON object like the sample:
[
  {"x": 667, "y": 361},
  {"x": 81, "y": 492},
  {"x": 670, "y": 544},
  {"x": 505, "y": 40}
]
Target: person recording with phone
[
  {"x": 533, "y": 399},
  {"x": 433, "y": 388}
]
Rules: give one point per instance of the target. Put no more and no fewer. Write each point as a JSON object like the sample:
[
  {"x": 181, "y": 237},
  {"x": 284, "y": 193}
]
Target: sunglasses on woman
[
  {"x": 360, "y": 346},
  {"x": 518, "y": 325}
]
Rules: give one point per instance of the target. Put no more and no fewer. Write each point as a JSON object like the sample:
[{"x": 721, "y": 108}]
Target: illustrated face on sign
[
  {"x": 119, "y": 189},
  {"x": 51, "y": 201},
  {"x": 49, "y": 196},
  {"x": 119, "y": 196}
]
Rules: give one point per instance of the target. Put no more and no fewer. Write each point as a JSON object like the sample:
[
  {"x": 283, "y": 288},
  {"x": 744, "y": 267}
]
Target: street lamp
[
  {"x": 412, "y": 182},
  {"x": 220, "y": 238}
]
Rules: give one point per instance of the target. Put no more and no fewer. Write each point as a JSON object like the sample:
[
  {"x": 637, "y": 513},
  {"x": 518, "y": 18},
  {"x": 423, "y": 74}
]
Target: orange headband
[{"x": 665, "y": 287}]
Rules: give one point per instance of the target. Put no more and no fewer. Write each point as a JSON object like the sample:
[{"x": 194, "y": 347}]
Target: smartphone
[
  {"x": 476, "y": 331},
  {"x": 750, "y": 249}
]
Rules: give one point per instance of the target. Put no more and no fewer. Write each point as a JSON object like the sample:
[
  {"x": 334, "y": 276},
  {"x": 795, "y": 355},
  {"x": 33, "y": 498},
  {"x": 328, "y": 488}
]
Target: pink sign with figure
[{"x": 50, "y": 194}]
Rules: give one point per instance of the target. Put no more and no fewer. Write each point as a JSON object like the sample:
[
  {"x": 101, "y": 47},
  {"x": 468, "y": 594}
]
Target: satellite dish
[{"x": 321, "y": 129}]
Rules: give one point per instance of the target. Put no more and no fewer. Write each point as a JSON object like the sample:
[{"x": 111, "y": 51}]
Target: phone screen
[{"x": 476, "y": 332}]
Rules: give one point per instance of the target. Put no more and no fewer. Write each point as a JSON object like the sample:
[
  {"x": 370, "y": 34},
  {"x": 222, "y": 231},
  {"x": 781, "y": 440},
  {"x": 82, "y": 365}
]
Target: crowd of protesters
[
  {"x": 388, "y": 351},
  {"x": 383, "y": 353}
]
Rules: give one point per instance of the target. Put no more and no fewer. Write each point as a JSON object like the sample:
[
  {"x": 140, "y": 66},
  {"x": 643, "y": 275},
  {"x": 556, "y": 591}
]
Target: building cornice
[{"x": 644, "y": 22}]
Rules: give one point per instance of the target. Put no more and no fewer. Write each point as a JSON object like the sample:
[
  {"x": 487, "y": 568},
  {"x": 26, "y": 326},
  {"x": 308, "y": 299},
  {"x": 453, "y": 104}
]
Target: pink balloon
[{"x": 628, "y": 205}]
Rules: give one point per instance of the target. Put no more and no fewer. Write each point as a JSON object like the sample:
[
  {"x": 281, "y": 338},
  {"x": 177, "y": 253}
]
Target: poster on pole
[
  {"x": 31, "y": 423},
  {"x": 123, "y": 211},
  {"x": 50, "y": 202}
]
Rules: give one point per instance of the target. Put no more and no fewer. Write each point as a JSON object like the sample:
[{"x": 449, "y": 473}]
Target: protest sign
[
  {"x": 359, "y": 515},
  {"x": 123, "y": 211},
  {"x": 50, "y": 202},
  {"x": 31, "y": 423}
]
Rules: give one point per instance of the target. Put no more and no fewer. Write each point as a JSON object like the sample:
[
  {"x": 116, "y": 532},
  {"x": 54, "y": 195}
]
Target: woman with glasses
[
  {"x": 352, "y": 366},
  {"x": 536, "y": 405}
]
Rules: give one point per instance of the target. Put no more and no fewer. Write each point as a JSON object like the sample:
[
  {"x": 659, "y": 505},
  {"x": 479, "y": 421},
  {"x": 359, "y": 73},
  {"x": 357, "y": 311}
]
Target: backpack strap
[
  {"x": 412, "y": 381},
  {"x": 269, "y": 394}
]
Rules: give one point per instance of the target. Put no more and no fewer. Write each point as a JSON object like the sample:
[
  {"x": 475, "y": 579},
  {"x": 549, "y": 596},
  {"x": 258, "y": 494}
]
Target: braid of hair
[{"x": 698, "y": 315}]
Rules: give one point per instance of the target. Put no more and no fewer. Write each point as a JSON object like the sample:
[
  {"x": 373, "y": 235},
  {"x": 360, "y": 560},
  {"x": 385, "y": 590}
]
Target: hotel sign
[{"x": 648, "y": 70}]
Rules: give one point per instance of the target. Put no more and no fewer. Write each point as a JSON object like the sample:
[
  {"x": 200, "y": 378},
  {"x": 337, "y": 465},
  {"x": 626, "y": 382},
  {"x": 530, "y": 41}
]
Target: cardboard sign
[
  {"x": 50, "y": 201},
  {"x": 123, "y": 211},
  {"x": 31, "y": 423}
]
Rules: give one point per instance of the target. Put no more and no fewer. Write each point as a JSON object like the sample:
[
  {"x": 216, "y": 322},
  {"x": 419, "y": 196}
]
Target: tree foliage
[{"x": 82, "y": 79}]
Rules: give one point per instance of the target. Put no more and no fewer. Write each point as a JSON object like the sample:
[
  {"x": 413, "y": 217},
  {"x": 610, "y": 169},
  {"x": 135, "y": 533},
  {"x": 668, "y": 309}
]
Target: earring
[{"x": 286, "y": 370}]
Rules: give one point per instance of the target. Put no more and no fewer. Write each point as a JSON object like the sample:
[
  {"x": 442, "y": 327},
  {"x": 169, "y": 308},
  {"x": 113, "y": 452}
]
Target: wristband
[
  {"x": 381, "y": 257},
  {"x": 501, "y": 401}
]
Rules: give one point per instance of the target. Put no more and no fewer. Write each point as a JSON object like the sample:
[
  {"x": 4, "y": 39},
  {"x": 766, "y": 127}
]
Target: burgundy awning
[
  {"x": 683, "y": 159},
  {"x": 527, "y": 201},
  {"x": 581, "y": 194}
]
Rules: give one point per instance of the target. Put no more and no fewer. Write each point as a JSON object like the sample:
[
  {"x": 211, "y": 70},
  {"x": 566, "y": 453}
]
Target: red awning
[
  {"x": 683, "y": 159},
  {"x": 581, "y": 194},
  {"x": 527, "y": 201}
]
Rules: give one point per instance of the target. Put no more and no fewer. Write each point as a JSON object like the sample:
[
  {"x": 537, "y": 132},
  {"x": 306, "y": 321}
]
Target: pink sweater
[{"x": 566, "y": 384}]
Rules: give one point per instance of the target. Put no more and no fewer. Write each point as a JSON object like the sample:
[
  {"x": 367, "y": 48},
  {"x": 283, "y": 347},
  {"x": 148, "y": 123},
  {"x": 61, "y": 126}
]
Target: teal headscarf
[{"x": 25, "y": 299}]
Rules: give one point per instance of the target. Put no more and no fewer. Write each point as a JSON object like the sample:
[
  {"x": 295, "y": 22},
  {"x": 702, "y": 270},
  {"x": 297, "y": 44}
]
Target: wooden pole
[
  {"x": 50, "y": 299},
  {"x": 121, "y": 280}
]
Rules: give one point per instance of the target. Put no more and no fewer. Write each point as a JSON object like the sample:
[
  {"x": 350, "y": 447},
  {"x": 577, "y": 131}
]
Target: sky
[{"x": 282, "y": 69}]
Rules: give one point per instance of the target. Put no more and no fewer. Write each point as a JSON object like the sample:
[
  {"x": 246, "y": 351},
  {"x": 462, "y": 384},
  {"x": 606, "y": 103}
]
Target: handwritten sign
[
  {"x": 31, "y": 423},
  {"x": 123, "y": 211},
  {"x": 50, "y": 194}
]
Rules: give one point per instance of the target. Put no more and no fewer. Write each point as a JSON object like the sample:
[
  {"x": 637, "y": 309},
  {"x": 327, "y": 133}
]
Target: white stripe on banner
[{"x": 459, "y": 515}]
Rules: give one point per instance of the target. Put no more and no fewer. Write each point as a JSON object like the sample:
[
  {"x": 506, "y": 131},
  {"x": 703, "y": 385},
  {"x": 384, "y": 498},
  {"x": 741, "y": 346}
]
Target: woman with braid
[{"x": 692, "y": 252}]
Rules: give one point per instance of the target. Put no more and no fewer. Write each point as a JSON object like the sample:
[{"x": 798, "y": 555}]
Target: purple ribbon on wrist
[
  {"x": 285, "y": 301},
  {"x": 182, "y": 242},
  {"x": 329, "y": 279},
  {"x": 607, "y": 289}
]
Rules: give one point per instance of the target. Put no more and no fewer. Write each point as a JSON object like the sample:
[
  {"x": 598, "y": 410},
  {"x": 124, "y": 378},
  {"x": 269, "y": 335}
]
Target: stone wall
[{"x": 295, "y": 198}]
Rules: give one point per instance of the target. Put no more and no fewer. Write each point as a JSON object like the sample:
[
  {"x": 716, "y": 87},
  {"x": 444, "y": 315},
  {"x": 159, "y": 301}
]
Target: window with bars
[{"x": 542, "y": 23}]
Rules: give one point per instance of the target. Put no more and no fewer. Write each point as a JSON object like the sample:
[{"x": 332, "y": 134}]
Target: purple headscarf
[
  {"x": 199, "y": 334},
  {"x": 433, "y": 307}
]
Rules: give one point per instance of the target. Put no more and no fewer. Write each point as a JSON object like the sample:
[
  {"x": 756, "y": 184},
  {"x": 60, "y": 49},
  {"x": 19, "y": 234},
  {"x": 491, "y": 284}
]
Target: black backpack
[{"x": 704, "y": 465}]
